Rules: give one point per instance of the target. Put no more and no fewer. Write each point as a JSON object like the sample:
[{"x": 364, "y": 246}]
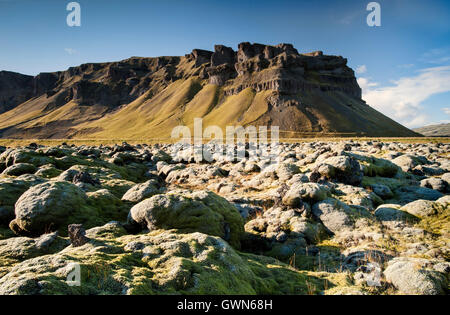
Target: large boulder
[
  {"x": 10, "y": 190},
  {"x": 20, "y": 169},
  {"x": 334, "y": 214},
  {"x": 410, "y": 276},
  {"x": 45, "y": 207},
  {"x": 392, "y": 212},
  {"x": 421, "y": 208},
  {"x": 345, "y": 169},
  {"x": 373, "y": 167},
  {"x": 282, "y": 233},
  {"x": 407, "y": 194},
  {"x": 200, "y": 211},
  {"x": 305, "y": 191},
  {"x": 285, "y": 171},
  {"x": 407, "y": 162},
  {"x": 142, "y": 191},
  {"x": 22, "y": 155},
  {"x": 435, "y": 183},
  {"x": 382, "y": 191}
]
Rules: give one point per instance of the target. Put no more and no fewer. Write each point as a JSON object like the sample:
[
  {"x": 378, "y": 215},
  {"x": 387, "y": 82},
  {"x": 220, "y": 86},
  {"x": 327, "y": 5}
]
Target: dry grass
[{"x": 94, "y": 142}]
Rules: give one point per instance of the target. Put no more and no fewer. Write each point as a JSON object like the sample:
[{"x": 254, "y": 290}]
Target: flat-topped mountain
[{"x": 145, "y": 98}]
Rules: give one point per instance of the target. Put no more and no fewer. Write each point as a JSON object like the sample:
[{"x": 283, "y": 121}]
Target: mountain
[
  {"x": 442, "y": 130},
  {"x": 145, "y": 98}
]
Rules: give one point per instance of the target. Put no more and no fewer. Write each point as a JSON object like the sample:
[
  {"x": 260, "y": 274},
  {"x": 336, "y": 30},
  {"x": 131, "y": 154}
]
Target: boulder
[
  {"x": 407, "y": 194},
  {"x": 142, "y": 191},
  {"x": 285, "y": 171},
  {"x": 421, "y": 208},
  {"x": 48, "y": 171},
  {"x": 10, "y": 191},
  {"x": 20, "y": 169},
  {"x": 345, "y": 169},
  {"x": 77, "y": 235},
  {"x": 382, "y": 191},
  {"x": 305, "y": 191},
  {"x": 407, "y": 162},
  {"x": 18, "y": 249},
  {"x": 435, "y": 183},
  {"x": 410, "y": 276},
  {"x": 334, "y": 214},
  {"x": 392, "y": 212},
  {"x": 200, "y": 211},
  {"x": 46, "y": 207}
]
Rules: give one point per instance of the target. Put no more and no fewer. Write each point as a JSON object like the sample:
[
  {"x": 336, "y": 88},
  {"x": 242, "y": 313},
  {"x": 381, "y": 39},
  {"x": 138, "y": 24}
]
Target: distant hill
[
  {"x": 442, "y": 130},
  {"x": 143, "y": 98}
]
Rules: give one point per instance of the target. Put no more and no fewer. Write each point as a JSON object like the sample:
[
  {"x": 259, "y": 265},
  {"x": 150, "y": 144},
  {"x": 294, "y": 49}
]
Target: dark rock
[
  {"x": 77, "y": 235},
  {"x": 86, "y": 178}
]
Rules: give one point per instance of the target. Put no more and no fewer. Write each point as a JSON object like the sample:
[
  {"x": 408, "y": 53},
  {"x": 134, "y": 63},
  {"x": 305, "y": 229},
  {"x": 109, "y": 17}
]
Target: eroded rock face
[
  {"x": 292, "y": 69},
  {"x": 15, "y": 88}
]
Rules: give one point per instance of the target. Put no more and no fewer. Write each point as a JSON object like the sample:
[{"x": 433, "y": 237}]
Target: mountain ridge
[
  {"x": 438, "y": 130},
  {"x": 143, "y": 97}
]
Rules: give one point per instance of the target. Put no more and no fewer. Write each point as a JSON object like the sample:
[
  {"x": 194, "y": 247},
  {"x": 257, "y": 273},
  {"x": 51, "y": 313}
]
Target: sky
[{"x": 403, "y": 66}]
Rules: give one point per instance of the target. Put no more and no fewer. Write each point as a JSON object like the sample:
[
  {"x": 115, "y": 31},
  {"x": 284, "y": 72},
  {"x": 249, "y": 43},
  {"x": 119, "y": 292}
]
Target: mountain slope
[
  {"x": 145, "y": 98},
  {"x": 442, "y": 130}
]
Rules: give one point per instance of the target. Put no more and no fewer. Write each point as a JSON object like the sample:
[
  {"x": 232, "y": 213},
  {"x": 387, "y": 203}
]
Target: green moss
[
  {"x": 438, "y": 224},
  {"x": 168, "y": 263},
  {"x": 392, "y": 183}
]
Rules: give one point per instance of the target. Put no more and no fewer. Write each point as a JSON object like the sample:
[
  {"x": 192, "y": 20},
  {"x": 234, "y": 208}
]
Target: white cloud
[
  {"x": 365, "y": 83},
  {"x": 361, "y": 69},
  {"x": 70, "y": 51},
  {"x": 403, "y": 100},
  {"x": 446, "y": 110}
]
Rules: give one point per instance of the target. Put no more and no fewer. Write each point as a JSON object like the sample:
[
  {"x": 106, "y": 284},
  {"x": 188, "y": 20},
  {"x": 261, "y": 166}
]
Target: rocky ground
[{"x": 330, "y": 218}]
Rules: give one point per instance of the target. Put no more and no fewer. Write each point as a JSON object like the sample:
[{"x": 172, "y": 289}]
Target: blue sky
[{"x": 403, "y": 66}]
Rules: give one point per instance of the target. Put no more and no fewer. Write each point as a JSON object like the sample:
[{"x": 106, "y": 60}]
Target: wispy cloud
[
  {"x": 446, "y": 110},
  {"x": 437, "y": 56},
  {"x": 403, "y": 100},
  {"x": 70, "y": 51},
  {"x": 406, "y": 66},
  {"x": 350, "y": 17},
  {"x": 361, "y": 69}
]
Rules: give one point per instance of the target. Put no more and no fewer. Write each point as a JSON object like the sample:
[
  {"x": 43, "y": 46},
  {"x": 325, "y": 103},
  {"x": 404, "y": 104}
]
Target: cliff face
[
  {"x": 279, "y": 68},
  {"x": 15, "y": 88},
  {"x": 304, "y": 94}
]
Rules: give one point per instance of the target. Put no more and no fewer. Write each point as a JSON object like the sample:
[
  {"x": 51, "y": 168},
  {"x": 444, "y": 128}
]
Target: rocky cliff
[{"x": 305, "y": 94}]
